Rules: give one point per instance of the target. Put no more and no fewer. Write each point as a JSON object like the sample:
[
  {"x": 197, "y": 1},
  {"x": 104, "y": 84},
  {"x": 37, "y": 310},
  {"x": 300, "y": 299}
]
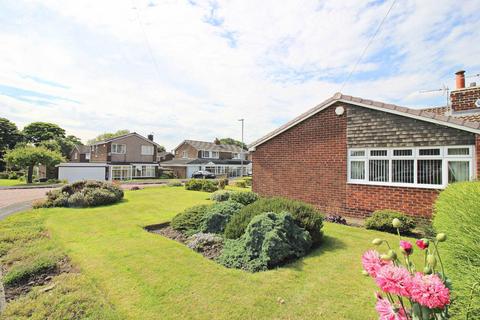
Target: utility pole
[{"x": 241, "y": 154}]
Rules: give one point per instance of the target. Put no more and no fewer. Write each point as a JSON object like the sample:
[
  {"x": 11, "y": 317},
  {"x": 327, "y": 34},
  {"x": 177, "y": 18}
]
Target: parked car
[{"x": 202, "y": 174}]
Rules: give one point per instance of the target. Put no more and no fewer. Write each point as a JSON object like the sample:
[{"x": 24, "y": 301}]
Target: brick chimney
[{"x": 463, "y": 98}]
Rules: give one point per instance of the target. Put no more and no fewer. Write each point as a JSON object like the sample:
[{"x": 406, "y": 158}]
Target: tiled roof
[
  {"x": 420, "y": 114},
  {"x": 124, "y": 136},
  {"x": 204, "y": 145},
  {"x": 83, "y": 149},
  {"x": 184, "y": 162}
]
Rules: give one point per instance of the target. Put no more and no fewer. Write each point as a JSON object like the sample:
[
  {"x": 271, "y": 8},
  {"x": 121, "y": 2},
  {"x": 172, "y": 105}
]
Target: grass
[
  {"x": 128, "y": 273},
  {"x": 9, "y": 182}
]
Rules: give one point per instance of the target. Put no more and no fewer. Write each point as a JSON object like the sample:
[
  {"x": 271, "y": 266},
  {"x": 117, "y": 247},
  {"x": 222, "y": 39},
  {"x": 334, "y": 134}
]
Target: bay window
[{"x": 428, "y": 167}]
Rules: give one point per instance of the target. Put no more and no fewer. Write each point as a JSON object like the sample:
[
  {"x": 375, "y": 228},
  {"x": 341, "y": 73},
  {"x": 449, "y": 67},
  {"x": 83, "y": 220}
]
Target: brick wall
[
  {"x": 309, "y": 162},
  {"x": 464, "y": 99},
  {"x": 191, "y": 151},
  {"x": 477, "y": 149}
]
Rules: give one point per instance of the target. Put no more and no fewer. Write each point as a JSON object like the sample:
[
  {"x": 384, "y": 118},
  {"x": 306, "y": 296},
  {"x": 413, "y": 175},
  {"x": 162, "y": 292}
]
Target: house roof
[
  {"x": 185, "y": 162},
  {"x": 82, "y": 149},
  {"x": 124, "y": 136},
  {"x": 419, "y": 114},
  {"x": 164, "y": 153},
  {"x": 205, "y": 145}
]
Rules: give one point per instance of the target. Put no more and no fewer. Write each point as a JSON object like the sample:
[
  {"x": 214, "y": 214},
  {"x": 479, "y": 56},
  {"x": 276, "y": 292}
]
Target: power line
[
  {"x": 368, "y": 45},
  {"x": 147, "y": 42}
]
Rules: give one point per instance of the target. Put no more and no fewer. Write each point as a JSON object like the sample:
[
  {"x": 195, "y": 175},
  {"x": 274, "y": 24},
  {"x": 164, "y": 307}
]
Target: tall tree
[
  {"x": 37, "y": 132},
  {"x": 9, "y": 137},
  {"x": 108, "y": 135},
  {"x": 29, "y": 156},
  {"x": 233, "y": 142},
  {"x": 68, "y": 143}
]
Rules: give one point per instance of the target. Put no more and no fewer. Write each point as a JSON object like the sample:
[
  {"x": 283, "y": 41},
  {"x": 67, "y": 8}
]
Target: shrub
[
  {"x": 222, "y": 183},
  {"x": 220, "y": 196},
  {"x": 135, "y": 188},
  {"x": 201, "y": 185},
  {"x": 13, "y": 175},
  {"x": 218, "y": 216},
  {"x": 248, "y": 181},
  {"x": 77, "y": 200},
  {"x": 305, "y": 216},
  {"x": 457, "y": 212},
  {"x": 175, "y": 184},
  {"x": 240, "y": 184},
  {"x": 336, "y": 219},
  {"x": 99, "y": 197},
  {"x": 167, "y": 175},
  {"x": 201, "y": 241},
  {"x": 269, "y": 240},
  {"x": 3, "y": 175},
  {"x": 244, "y": 197},
  {"x": 382, "y": 220},
  {"x": 190, "y": 219},
  {"x": 83, "y": 194}
]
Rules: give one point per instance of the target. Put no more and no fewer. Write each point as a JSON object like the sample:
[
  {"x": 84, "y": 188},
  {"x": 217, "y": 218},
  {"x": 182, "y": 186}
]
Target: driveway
[{"x": 14, "y": 200}]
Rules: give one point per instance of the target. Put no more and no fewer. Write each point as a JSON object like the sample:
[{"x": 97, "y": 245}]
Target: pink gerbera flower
[
  {"x": 394, "y": 280},
  {"x": 387, "y": 311},
  {"x": 429, "y": 291},
  {"x": 372, "y": 263}
]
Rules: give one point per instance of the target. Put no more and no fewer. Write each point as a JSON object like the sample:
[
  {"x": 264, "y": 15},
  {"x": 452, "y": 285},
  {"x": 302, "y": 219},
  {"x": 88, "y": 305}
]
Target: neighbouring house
[
  {"x": 129, "y": 156},
  {"x": 220, "y": 159},
  {"x": 351, "y": 156},
  {"x": 164, "y": 156},
  {"x": 80, "y": 153}
]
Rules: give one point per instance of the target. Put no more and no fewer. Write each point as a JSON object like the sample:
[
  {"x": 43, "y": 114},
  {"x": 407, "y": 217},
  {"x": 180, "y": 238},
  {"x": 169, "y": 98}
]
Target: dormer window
[{"x": 206, "y": 154}]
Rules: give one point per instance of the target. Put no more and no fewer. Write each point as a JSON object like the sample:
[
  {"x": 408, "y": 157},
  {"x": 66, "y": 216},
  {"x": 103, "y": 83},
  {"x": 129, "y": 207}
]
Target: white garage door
[{"x": 72, "y": 174}]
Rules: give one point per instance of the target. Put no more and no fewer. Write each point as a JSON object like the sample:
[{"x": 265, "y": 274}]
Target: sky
[{"x": 188, "y": 69}]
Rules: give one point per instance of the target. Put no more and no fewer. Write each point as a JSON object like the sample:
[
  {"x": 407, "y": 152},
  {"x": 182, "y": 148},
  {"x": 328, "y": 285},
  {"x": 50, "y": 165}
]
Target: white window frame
[
  {"x": 146, "y": 171},
  {"x": 184, "y": 154},
  {"x": 87, "y": 156},
  {"x": 147, "y": 150},
  {"x": 207, "y": 154},
  {"x": 470, "y": 158},
  {"x": 123, "y": 149},
  {"x": 128, "y": 176}
]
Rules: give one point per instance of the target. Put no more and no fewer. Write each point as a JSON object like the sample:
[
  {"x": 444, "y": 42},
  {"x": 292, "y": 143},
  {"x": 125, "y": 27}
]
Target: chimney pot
[
  {"x": 150, "y": 137},
  {"x": 473, "y": 84},
  {"x": 460, "y": 79}
]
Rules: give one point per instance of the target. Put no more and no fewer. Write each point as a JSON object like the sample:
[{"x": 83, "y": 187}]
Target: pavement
[{"x": 15, "y": 200}]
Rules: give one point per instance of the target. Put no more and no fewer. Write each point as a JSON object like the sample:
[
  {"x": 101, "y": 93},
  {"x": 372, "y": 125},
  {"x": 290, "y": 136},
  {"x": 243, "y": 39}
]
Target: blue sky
[{"x": 191, "y": 69}]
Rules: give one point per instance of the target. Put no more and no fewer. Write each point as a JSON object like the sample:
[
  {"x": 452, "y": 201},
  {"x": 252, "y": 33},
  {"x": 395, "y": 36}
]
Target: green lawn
[
  {"x": 9, "y": 182},
  {"x": 128, "y": 273}
]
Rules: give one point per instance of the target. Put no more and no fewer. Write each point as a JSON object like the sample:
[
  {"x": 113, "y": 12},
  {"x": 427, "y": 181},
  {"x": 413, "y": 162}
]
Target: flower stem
[{"x": 439, "y": 260}]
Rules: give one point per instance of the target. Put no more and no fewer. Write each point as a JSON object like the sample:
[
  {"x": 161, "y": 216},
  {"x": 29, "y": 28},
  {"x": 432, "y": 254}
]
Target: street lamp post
[{"x": 241, "y": 153}]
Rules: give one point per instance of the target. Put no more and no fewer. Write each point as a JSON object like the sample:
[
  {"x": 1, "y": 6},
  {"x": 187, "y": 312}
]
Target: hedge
[{"x": 457, "y": 213}]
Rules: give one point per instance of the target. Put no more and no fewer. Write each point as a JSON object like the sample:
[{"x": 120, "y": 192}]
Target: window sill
[{"x": 398, "y": 185}]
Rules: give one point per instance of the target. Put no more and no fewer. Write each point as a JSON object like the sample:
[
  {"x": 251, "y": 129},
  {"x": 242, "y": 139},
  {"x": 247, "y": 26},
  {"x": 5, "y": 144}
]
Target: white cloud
[{"x": 216, "y": 62}]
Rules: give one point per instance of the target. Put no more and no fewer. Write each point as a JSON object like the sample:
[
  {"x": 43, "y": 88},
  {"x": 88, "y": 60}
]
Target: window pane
[
  {"x": 458, "y": 171},
  {"x": 378, "y": 153},
  {"x": 357, "y": 153},
  {"x": 429, "y": 172},
  {"x": 357, "y": 170},
  {"x": 378, "y": 170},
  {"x": 429, "y": 152},
  {"x": 458, "y": 151},
  {"x": 402, "y": 171},
  {"x": 403, "y": 152}
]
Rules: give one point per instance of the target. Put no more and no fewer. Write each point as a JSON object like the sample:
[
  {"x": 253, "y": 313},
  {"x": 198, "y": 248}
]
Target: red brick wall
[
  {"x": 363, "y": 199},
  {"x": 477, "y": 149},
  {"x": 309, "y": 163},
  {"x": 464, "y": 99}
]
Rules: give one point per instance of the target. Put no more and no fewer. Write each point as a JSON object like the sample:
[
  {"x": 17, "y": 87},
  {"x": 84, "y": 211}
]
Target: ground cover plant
[
  {"x": 83, "y": 194},
  {"x": 305, "y": 215},
  {"x": 125, "y": 272},
  {"x": 458, "y": 211},
  {"x": 381, "y": 220}
]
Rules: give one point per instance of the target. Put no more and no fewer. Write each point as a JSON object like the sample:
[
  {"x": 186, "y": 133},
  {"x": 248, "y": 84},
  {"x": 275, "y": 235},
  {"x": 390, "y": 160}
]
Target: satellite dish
[{"x": 477, "y": 103}]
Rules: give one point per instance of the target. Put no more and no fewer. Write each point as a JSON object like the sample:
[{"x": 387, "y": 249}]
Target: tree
[
  {"x": 108, "y": 135},
  {"x": 68, "y": 143},
  {"x": 233, "y": 142},
  {"x": 37, "y": 132},
  {"x": 9, "y": 137},
  {"x": 29, "y": 156}
]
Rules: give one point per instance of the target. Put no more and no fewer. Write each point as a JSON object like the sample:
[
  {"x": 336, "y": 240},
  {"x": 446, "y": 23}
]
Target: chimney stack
[
  {"x": 460, "y": 79},
  {"x": 150, "y": 137}
]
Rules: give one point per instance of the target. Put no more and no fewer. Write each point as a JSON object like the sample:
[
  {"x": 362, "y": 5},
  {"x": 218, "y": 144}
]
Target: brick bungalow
[{"x": 351, "y": 156}]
